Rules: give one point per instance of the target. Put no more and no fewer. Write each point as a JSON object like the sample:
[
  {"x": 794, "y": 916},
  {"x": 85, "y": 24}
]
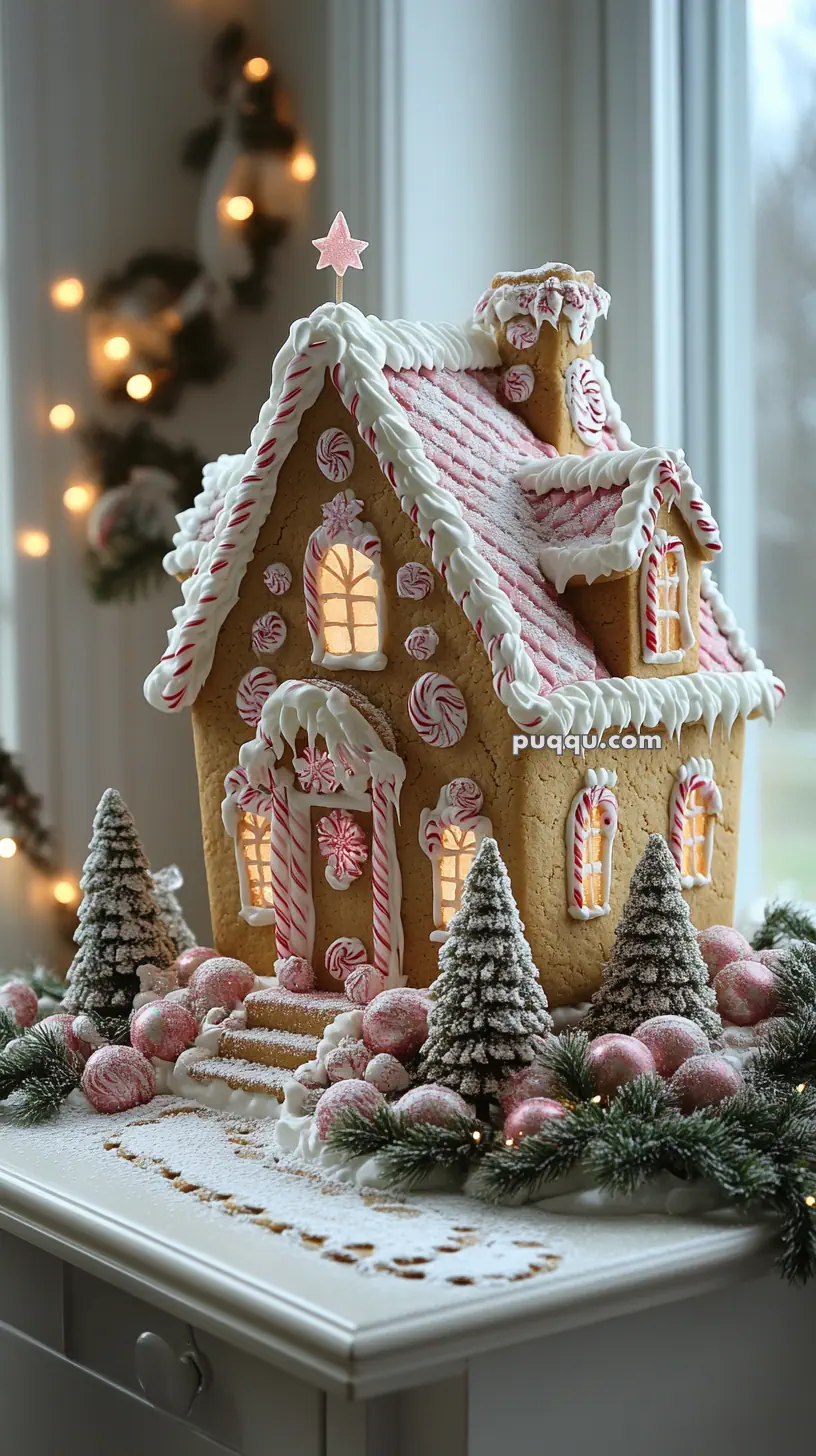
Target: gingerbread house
[{"x": 443, "y": 595}]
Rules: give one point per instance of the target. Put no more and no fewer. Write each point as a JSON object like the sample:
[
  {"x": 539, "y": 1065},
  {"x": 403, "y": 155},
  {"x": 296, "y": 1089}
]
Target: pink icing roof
[
  {"x": 715, "y": 654},
  {"x": 476, "y": 445},
  {"x": 563, "y": 516}
]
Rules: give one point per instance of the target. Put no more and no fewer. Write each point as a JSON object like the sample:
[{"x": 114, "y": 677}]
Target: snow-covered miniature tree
[
  {"x": 656, "y": 968},
  {"x": 165, "y": 884},
  {"x": 487, "y": 1003},
  {"x": 120, "y": 927}
]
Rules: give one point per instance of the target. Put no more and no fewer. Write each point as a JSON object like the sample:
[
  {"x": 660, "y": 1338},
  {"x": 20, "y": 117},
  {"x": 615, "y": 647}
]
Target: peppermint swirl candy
[
  {"x": 466, "y": 796},
  {"x": 521, "y": 332},
  {"x": 585, "y": 401},
  {"x": 277, "y": 579},
  {"x": 437, "y": 710},
  {"x": 414, "y": 581},
  {"x": 422, "y": 643},
  {"x": 517, "y": 383},
  {"x": 268, "y": 633},
  {"x": 335, "y": 455},
  {"x": 253, "y": 691},
  {"x": 343, "y": 955},
  {"x": 117, "y": 1078}
]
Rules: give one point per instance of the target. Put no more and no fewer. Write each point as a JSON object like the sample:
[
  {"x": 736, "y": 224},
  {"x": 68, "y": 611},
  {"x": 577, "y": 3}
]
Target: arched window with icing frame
[
  {"x": 450, "y": 835},
  {"x": 343, "y": 586},
  {"x": 592, "y": 823}
]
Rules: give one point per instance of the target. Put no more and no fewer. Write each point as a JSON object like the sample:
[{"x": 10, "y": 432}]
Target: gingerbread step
[
  {"x": 246, "y": 1076},
  {"x": 308, "y": 1013},
  {"x": 272, "y": 1048}
]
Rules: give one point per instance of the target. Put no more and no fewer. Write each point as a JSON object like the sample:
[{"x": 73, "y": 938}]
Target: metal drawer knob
[{"x": 170, "y": 1379}]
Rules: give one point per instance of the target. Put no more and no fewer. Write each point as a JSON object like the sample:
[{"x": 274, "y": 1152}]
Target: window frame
[
  {"x": 662, "y": 547},
  {"x": 458, "y": 806},
  {"x": 696, "y": 775},
  {"x": 596, "y": 791}
]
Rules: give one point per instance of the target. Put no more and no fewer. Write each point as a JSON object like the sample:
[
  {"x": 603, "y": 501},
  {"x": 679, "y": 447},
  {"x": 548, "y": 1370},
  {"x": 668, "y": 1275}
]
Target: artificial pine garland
[
  {"x": 783, "y": 922},
  {"x": 40, "y": 1070}
]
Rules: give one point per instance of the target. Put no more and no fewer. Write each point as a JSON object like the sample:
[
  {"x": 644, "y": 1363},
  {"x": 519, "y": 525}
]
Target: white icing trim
[
  {"x": 216, "y": 478},
  {"x": 649, "y": 476},
  {"x": 696, "y": 773},
  {"x": 595, "y": 790},
  {"x": 458, "y": 805},
  {"x": 615, "y": 423},
  {"x": 660, "y": 546},
  {"x": 544, "y": 295}
]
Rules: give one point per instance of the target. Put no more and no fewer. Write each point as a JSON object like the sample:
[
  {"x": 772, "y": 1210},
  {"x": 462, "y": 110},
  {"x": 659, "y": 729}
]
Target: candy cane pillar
[
  {"x": 301, "y": 905},
  {"x": 279, "y": 869},
  {"x": 386, "y": 884}
]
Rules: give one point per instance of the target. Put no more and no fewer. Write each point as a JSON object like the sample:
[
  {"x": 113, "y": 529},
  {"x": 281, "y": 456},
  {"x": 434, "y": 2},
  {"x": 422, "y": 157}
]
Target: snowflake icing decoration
[{"x": 340, "y": 513}]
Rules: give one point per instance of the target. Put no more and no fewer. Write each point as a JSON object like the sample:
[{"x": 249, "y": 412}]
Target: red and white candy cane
[
  {"x": 661, "y": 546},
  {"x": 301, "y": 909},
  {"x": 253, "y": 691},
  {"x": 437, "y": 710},
  {"x": 697, "y": 774},
  {"x": 279, "y": 869},
  {"x": 585, "y": 402},
  {"x": 335, "y": 455},
  {"x": 383, "y": 858}
]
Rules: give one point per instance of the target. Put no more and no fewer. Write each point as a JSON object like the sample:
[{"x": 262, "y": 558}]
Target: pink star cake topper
[{"x": 339, "y": 250}]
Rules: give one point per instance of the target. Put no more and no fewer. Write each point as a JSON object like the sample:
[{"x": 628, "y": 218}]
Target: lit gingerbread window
[
  {"x": 592, "y": 824},
  {"x": 696, "y": 804},
  {"x": 450, "y": 835},
  {"x": 343, "y": 586},
  {"x": 248, "y": 814},
  {"x": 255, "y": 862},
  {"x": 666, "y": 630}
]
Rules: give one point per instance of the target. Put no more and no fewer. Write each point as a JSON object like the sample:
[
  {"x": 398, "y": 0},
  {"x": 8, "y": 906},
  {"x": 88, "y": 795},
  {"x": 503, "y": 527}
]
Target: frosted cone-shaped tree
[
  {"x": 120, "y": 926},
  {"x": 487, "y": 1002},
  {"x": 165, "y": 884},
  {"x": 656, "y": 968}
]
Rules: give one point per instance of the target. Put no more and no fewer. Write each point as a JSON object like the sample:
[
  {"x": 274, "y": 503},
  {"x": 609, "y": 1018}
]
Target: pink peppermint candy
[
  {"x": 585, "y": 402},
  {"x": 342, "y": 842},
  {"x": 117, "y": 1078},
  {"x": 343, "y": 955},
  {"x": 422, "y": 643},
  {"x": 705, "y": 1081},
  {"x": 188, "y": 961},
  {"x": 466, "y": 796},
  {"x": 295, "y": 974},
  {"x": 277, "y": 579},
  {"x": 528, "y": 1118},
  {"x": 63, "y": 1023},
  {"x": 437, "y": 710},
  {"x": 363, "y": 983},
  {"x": 517, "y": 383},
  {"x": 316, "y": 772},
  {"x": 348, "y": 1060},
  {"x": 335, "y": 455},
  {"x": 387, "y": 1074},
  {"x": 396, "y": 1021},
  {"x": 164, "y": 1029},
  {"x": 521, "y": 333},
  {"x": 268, "y": 632},
  {"x": 414, "y": 581},
  {"x": 253, "y": 691}
]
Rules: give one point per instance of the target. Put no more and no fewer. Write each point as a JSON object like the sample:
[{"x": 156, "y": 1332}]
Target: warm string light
[
  {"x": 8, "y": 847},
  {"x": 237, "y": 209},
  {"x": 477, "y": 1136},
  {"x": 117, "y": 347},
  {"x": 810, "y": 1200},
  {"x": 61, "y": 416},
  {"x": 34, "y": 543},
  {"x": 595, "y": 1099},
  {"x": 256, "y": 69},
  {"x": 801, "y": 1087},
  {"x": 303, "y": 167},
  {"x": 65, "y": 892},
  {"x": 139, "y": 386},
  {"x": 78, "y": 498},
  {"x": 67, "y": 293}
]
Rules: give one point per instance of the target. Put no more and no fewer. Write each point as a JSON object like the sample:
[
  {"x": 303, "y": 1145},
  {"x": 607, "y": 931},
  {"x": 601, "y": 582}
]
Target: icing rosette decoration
[
  {"x": 316, "y": 772},
  {"x": 521, "y": 332},
  {"x": 422, "y": 643},
  {"x": 253, "y": 691},
  {"x": 517, "y": 383},
  {"x": 268, "y": 633},
  {"x": 414, "y": 581},
  {"x": 335, "y": 455},
  {"x": 466, "y": 796},
  {"x": 277, "y": 579},
  {"x": 343, "y": 955},
  {"x": 585, "y": 402},
  {"x": 342, "y": 843},
  {"x": 437, "y": 710}
]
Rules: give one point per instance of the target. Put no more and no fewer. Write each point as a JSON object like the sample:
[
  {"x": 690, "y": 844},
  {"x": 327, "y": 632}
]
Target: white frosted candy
[
  {"x": 253, "y": 691},
  {"x": 335, "y": 455},
  {"x": 414, "y": 581},
  {"x": 421, "y": 643},
  {"x": 343, "y": 955},
  {"x": 363, "y": 983},
  {"x": 295, "y": 974},
  {"x": 277, "y": 579},
  {"x": 349, "y": 1059},
  {"x": 437, "y": 710},
  {"x": 312, "y": 1074},
  {"x": 585, "y": 401},
  {"x": 268, "y": 633},
  {"x": 521, "y": 332},
  {"x": 387, "y": 1074},
  {"x": 86, "y": 1030},
  {"x": 517, "y": 383}
]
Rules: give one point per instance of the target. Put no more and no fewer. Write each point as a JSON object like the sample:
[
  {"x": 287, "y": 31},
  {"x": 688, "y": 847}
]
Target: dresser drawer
[{"x": 30, "y": 1291}]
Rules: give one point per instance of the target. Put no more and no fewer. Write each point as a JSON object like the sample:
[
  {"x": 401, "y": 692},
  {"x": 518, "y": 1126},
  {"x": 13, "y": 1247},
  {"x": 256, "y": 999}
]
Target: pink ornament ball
[
  {"x": 528, "y": 1083},
  {"x": 342, "y": 1096},
  {"x": 189, "y": 961},
  {"x": 769, "y": 958},
  {"x": 439, "y": 1106},
  {"x": 720, "y": 945},
  {"x": 295, "y": 974},
  {"x": 164, "y": 1029},
  {"x": 363, "y": 983},
  {"x": 746, "y": 992},
  {"x": 616, "y": 1060},
  {"x": 387, "y": 1074},
  {"x": 528, "y": 1118},
  {"x": 396, "y": 1021},
  {"x": 671, "y": 1041},
  {"x": 117, "y": 1078},
  {"x": 220, "y": 981},
  {"x": 348, "y": 1060},
  {"x": 65, "y": 1025},
  {"x": 705, "y": 1082},
  {"x": 21, "y": 1000}
]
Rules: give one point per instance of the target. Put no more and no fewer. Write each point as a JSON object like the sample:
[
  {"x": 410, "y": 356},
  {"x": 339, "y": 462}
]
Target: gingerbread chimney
[{"x": 543, "y": 321}]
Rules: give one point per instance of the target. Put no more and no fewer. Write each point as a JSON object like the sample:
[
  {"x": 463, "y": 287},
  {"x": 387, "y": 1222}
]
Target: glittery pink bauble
[
  {"x": 117, "y": 1078},
  {"x": 720, "y": 945},
  {"x": 349, "y": 1059},
  {"x": 386, "y": 1073},
  {"x": 671, "y": 1041},
  {"x": 529, "y": 1117},
  {"x": 616, "y": 1060},
  {"x": 295, "y": 974},
  {"x": 21, "y": 1000},
  {"x": 770, "y": 958},
  {"x": 535, "y": 1081},
  {"x": 64, "y": 1023},
  {"x": 221, "y": 981},
  {"x": 396, "y": 1021},
  {"x": 440, "y": 1106},
  {"x": 363, "y": 983},
  {"x": 705, "y": 1081},
  {"x": 746, "y": 992},
  {"x": 338, "y": 1098},
  {"x": 189, "y": 961},
  {"x": 164, "y": 1029}
]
